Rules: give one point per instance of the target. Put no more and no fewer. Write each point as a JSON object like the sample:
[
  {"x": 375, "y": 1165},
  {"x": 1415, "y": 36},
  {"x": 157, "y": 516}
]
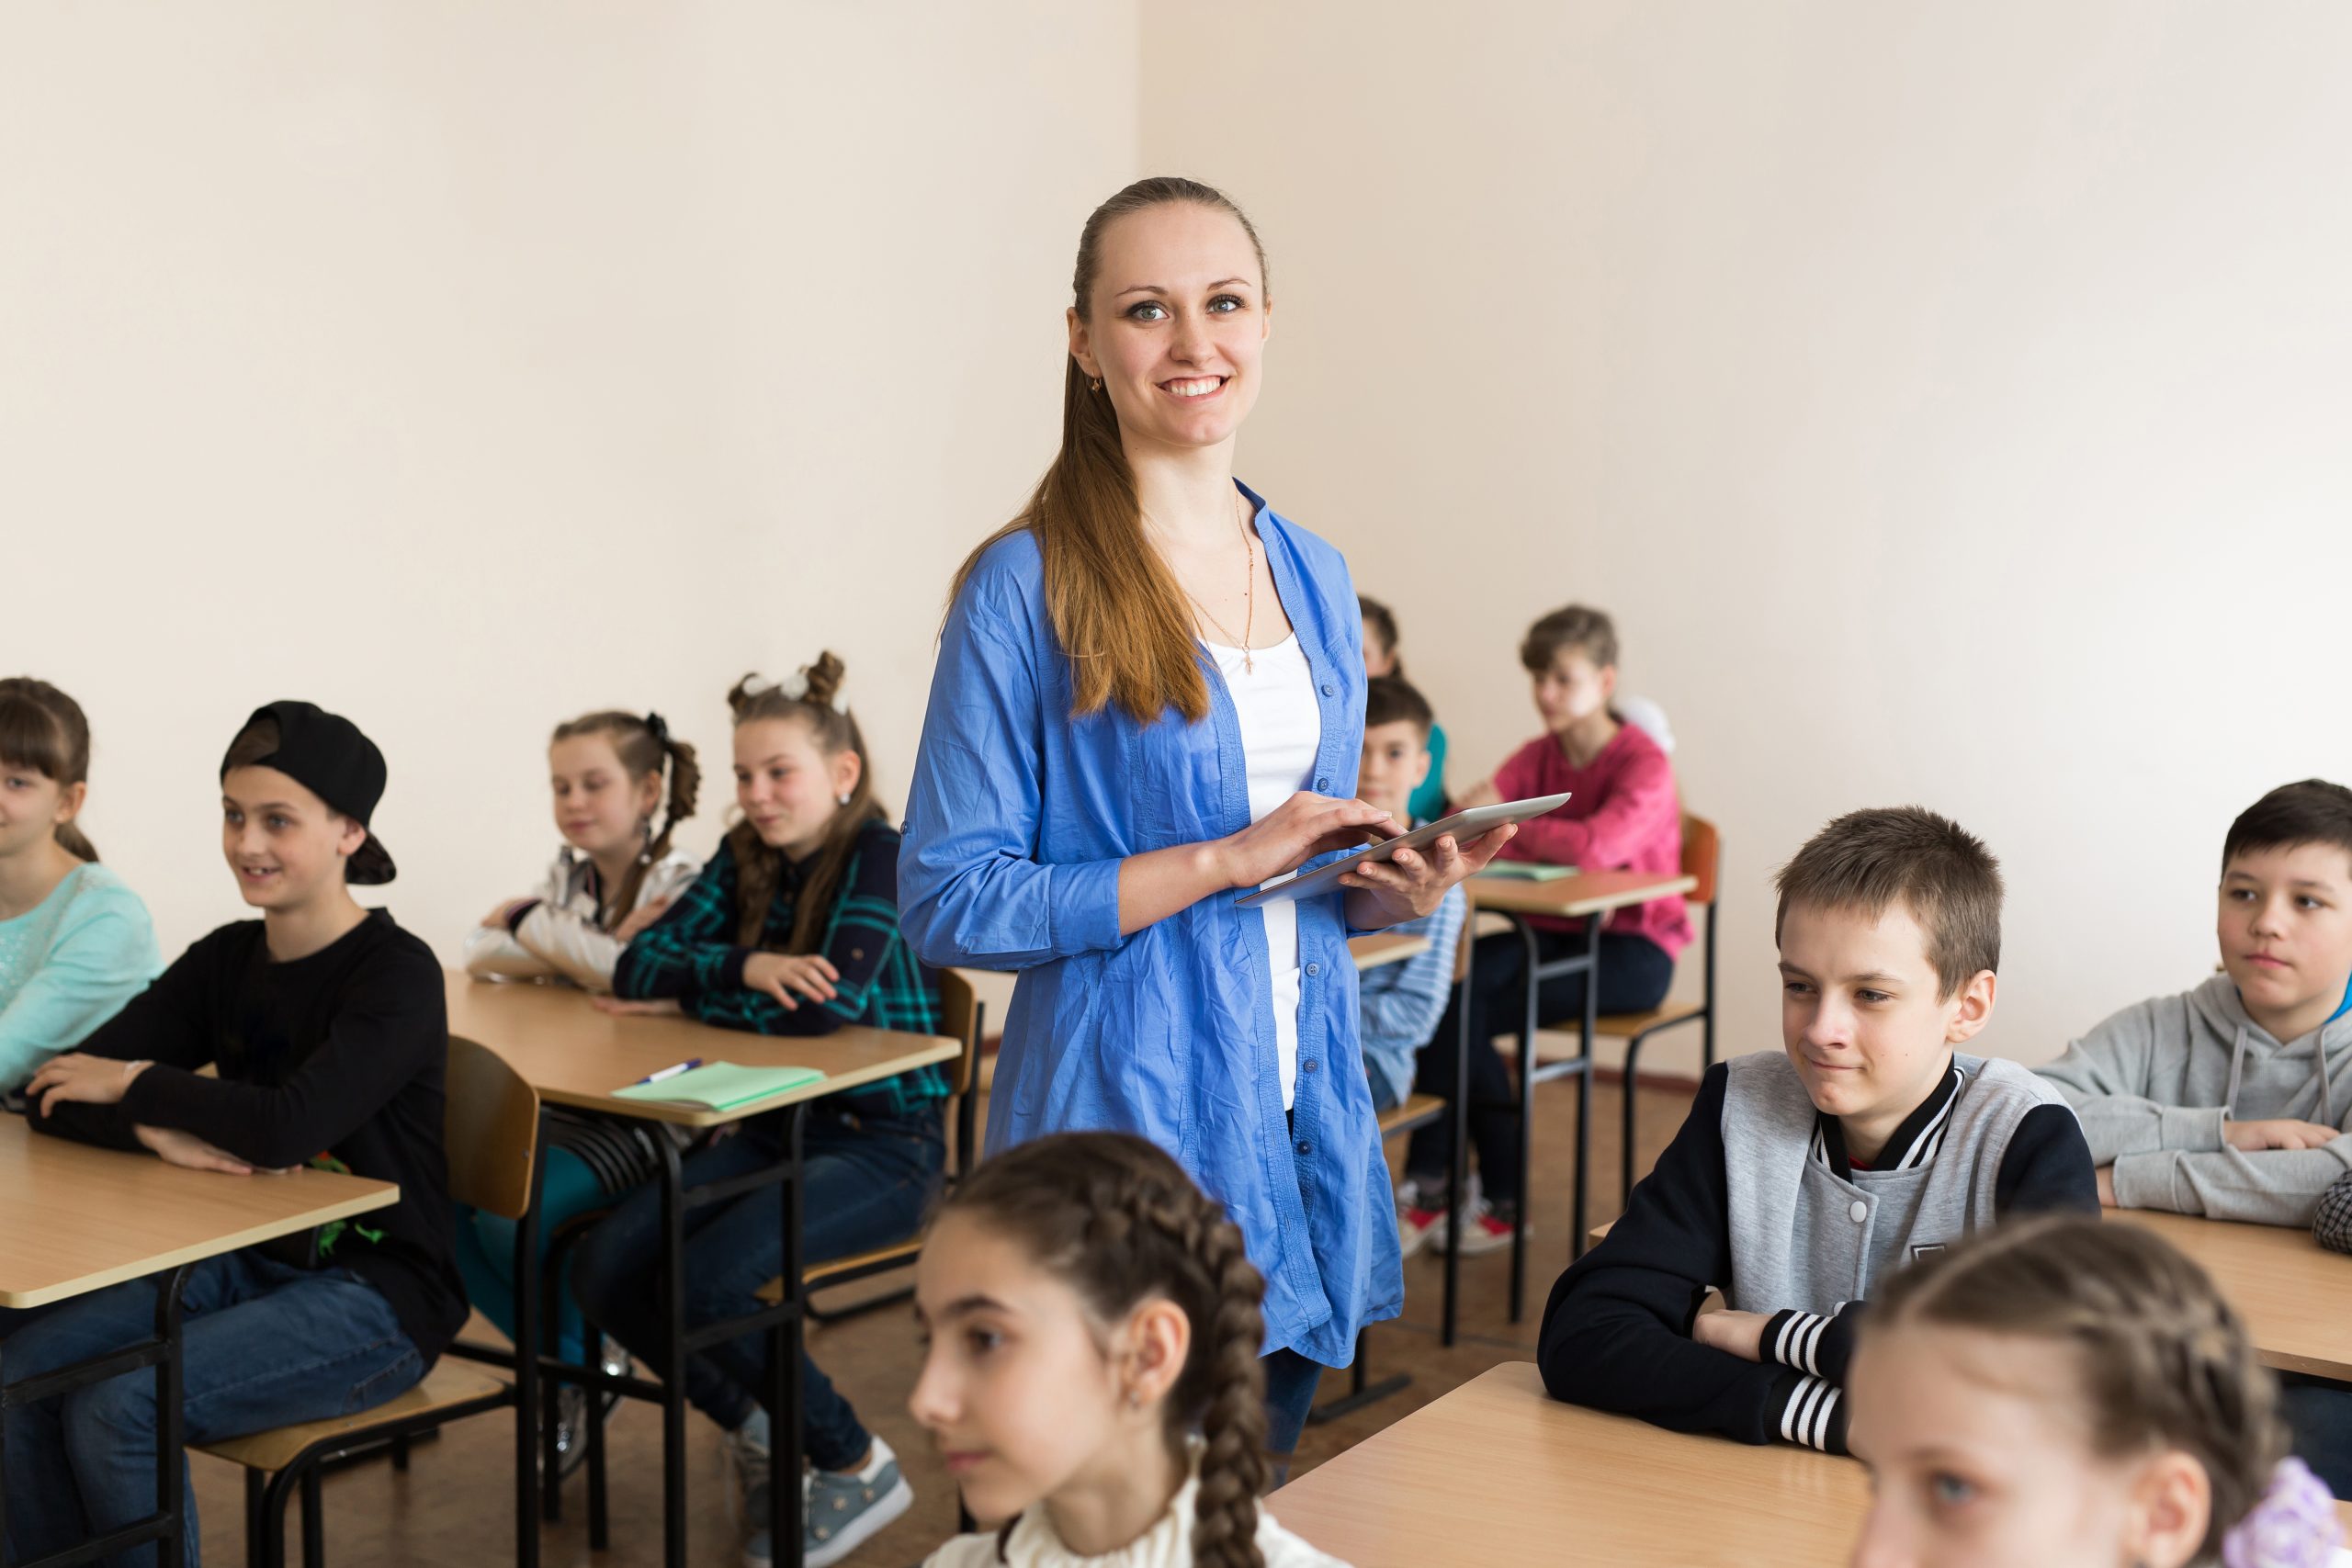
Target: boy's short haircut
[
  {"x": 1867, "y": 862},
  {"x": 1391, "y": 699},
  {"x": 1589, "y": 631},
  {"x": 2311, "y": 812}
]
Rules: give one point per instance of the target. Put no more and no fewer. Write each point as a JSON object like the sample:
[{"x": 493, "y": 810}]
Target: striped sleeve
[
  {"x": 1817, "y": 1344},
  {"x": 1813, "y": 1411}
]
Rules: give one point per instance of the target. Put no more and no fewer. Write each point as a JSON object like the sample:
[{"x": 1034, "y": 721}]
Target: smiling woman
[{"x": 1151, "y": 696}]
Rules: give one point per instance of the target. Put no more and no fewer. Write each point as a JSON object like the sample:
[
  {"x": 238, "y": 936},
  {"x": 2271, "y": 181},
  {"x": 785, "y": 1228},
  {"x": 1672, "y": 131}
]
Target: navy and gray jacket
[{"x": 1755, "y": 1197}]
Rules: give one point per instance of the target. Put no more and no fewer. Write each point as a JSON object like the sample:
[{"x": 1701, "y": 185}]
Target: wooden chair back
[{"x": 490, "y": 1130}]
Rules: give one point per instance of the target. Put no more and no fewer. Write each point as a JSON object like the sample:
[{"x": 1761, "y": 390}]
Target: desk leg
[
  {"x": 1458, "y": 1112},
  {"x": 1591, "y": 1029},
  {"x": 529, "y": 1286},
  {"x": 171, "y": 1434},
  {"x": 784, "y": 1380},
  {"x": 1528, "y": 1025},
  {"x": 674, "y": 1334}
]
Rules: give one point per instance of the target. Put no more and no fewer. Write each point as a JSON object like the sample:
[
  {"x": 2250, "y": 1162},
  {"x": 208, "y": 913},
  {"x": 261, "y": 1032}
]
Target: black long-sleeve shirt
[
  {"x": 1616, "y": 1332},
  {"x": 335, "y": 1060}
]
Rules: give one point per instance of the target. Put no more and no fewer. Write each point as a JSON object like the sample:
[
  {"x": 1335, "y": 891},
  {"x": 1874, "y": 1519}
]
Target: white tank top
[{"x": 1281, "y": 729}]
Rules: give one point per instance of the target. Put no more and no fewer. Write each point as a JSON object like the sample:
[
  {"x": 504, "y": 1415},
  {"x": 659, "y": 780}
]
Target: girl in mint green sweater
[{"x": 74, "y": 943}]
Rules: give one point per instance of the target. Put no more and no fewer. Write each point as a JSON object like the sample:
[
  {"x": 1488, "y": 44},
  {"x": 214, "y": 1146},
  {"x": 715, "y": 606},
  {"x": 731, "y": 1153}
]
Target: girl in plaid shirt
[{"x": 792, "y": 929}]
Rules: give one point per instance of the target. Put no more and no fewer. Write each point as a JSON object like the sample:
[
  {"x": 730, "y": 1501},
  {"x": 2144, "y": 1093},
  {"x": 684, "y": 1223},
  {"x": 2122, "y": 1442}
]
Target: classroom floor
[{"x": 452, "y": 1508}]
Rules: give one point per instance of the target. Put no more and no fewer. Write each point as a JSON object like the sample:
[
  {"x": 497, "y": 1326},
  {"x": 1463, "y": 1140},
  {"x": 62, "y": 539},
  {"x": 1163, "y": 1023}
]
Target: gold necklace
[{"x": 1248, "y": 592}]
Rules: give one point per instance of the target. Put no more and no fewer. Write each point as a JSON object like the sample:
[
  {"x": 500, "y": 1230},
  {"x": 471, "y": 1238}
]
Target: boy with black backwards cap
[{"x": 328, "y": 1027}]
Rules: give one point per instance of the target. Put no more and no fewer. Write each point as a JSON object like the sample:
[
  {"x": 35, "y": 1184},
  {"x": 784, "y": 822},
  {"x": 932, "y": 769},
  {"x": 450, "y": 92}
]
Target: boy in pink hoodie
[{"x": 1623, "y": 814}]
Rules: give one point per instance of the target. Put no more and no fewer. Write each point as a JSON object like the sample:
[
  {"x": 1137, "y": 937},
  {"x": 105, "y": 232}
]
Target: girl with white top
[
  {"x": 1150, "y": 699},
  {"x": 615, "y": 875},
  {"x": 1090, "y": 1367},
  {"x": 74, "y": 943}
]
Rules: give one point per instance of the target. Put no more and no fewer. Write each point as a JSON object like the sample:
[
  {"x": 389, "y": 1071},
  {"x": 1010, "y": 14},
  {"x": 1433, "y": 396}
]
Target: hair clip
[
  {"x": 2293, "y": 1526},
  {"x": 659, "y": 727}
]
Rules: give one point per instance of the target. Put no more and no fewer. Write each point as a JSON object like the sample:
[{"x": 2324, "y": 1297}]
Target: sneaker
[
  {"x": 1486, "y": 1228},
  {"x": 838, "y": 1512},
  {"x": 1418, "y": 1227},
  {"x": 571, "y": 1410}
]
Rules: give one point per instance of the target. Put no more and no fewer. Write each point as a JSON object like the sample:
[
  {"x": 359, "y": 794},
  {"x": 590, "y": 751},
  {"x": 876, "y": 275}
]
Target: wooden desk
[
  {"x": 2296, "y": 1296},
  {"x": 75, "y": 1219},
  {"x": 1383, "y": 947},
  {"x": 1573, "y": 898},
  {"x": 576, "y": 1055},
  {"x": 1555, "y": 1483},
  {"x": 1584, "y": 895}
]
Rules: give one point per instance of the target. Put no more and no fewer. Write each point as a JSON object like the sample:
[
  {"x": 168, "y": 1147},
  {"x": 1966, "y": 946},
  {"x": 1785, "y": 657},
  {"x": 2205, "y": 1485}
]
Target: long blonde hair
[{"x": 1116, "y": 610}]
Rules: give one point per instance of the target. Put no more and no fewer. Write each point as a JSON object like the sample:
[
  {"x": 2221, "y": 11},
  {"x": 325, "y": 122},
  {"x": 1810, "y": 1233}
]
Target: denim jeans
[
  {"x": 1634, "y": 975},
  {"x": 1291, "y": 1382},
  {"x": 263, "y": 1344},
  {"x": 2319, "y": 1418},
  {"x": 868, "y": 1183}
]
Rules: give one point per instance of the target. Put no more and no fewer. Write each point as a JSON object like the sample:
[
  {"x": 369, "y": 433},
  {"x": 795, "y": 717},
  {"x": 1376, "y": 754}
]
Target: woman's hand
[
  {"x": 781, "y": 974},
  {"x": 1410, "y": 884},
  {"x": 1296, "y": 832},
  {"x": 88, "y": 1080},
  {"x": 189, "y": 1152}
]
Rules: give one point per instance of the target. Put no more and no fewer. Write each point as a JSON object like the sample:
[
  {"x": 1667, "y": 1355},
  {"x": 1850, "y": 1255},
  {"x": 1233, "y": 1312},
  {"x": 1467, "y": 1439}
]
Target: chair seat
[
  {"x": 1417, "y": 1108},
  {"x": 817, "y": 1275},
  {"x": 450, "y": 1384},
  {"x": 1624, "y": 1025}
]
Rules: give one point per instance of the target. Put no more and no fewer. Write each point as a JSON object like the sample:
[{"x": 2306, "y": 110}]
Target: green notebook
[
  {"x": 1527, "y": 871},
  {"x": 721, "y": 1086}
]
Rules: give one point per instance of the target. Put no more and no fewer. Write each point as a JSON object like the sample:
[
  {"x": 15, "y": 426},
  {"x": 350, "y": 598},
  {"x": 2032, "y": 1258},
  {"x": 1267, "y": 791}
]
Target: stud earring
[{"x": 840, "y": 800}]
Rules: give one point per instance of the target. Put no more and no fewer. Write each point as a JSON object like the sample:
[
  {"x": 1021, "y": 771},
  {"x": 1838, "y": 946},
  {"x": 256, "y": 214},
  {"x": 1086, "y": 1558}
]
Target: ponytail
[
  {"x": 43, "y": 729},
  {"x": 1119, "y": 1222}
]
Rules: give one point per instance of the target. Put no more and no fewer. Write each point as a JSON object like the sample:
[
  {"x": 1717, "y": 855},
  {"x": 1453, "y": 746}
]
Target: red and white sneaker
[
  {"x": 1483, "y": 1230},
  {"x": 1418, "y": 1228}
]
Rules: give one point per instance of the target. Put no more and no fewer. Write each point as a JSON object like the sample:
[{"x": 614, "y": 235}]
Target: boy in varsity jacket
[{"x": 1800, "y": 1180}]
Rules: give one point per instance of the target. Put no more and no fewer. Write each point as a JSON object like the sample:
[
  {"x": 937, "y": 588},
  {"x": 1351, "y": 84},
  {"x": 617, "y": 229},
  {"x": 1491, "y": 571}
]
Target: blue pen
[{"x": 687, "y": 1065}]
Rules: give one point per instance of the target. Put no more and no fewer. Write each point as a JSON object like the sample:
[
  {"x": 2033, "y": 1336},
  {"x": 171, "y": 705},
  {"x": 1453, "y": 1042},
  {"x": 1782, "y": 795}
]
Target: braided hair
[
  {"x": 2163, "y": 1358},
  {"x": 646, "y": 748},
  {"x": 1118, "y": 1220},
  {"x": 758, "y": 868}
]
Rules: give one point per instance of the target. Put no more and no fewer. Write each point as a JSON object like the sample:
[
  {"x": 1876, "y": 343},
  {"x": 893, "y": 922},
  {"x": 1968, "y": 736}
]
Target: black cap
[{"x": 326, "y": 754}]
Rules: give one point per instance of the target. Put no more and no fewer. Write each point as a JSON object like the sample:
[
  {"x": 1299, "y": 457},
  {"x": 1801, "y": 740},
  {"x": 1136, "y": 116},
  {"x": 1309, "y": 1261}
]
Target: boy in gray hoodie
[{"x": 2232, "y": 1101}]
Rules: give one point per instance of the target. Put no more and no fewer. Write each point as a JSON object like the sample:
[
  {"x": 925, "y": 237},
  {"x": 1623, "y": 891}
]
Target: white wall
[
  {"x": 1951, "y": 402},
  {"x": 465, "y": 367}
]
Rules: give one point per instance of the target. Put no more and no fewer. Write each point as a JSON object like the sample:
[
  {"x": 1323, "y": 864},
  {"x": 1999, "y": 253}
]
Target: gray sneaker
[{"x": 838, "y": 1512}]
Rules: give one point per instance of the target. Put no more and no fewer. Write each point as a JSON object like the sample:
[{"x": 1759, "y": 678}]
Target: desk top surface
[
  {"x": 75, "y": 1219},
  {"x": 1585, "y": 893},
  {"x": 1551, "y": 1482},
  {"x": 576, "y": 1055}
]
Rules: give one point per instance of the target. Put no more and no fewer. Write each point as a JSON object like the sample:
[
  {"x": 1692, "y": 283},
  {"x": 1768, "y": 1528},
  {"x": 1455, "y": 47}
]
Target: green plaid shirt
[{"x": 690, "y": 955}]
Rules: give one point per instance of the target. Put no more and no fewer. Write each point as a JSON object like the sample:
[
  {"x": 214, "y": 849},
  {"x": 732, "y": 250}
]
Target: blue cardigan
[{"x": 1016, "y": 823}]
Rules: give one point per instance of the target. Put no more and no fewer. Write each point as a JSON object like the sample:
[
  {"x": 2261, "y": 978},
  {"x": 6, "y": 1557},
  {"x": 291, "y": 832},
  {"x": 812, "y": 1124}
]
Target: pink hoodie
[{"x": 1623, "y": 814}]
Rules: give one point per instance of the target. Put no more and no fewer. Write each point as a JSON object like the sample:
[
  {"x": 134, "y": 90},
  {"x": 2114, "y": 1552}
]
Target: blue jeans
[
  {"x": 2319, "y": 1417},
  {"x": 1635, "y": 974},
  {"x": 263, "y": 1344},
  {"x": 868, "y": 1184},
  {"x": 485, "y": 1249},
  {"x": 1291, "y": 1381}
]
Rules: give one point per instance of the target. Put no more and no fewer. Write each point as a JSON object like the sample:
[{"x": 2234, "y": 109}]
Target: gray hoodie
[{"x": 2154, "y": 1083}]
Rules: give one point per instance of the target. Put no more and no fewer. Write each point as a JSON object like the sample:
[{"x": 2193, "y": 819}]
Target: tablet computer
[{"x": 1461, "y": 825}]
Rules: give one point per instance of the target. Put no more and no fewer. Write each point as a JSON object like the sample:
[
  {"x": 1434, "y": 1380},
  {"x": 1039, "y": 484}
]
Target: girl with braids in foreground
[
  {"x": 2072, "y": 1395},
  {"x": 1091, "y": 1373},
  {"x": 792, "y": 929}
]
